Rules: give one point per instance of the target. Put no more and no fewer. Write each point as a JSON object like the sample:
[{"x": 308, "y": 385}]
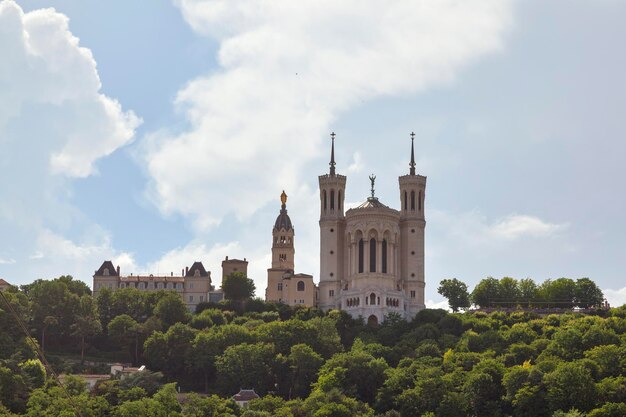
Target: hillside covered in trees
[{"x": 303, "y": 362}]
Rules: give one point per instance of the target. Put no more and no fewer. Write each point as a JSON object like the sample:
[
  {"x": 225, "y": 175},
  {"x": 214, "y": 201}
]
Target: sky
[{"x": 158, "y": 135}]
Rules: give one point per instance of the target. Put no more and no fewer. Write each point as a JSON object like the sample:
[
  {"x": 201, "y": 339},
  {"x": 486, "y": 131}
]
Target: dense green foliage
[
  {"x": 559, "y": 293},
  {"x": 306, "y": 363}
]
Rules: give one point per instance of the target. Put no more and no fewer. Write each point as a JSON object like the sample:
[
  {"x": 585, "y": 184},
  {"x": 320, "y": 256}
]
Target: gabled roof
[
  {"x": 197, "y": 266},
  {"x": 245, "y": 395},
  {"x": 109, "y": 265},
  {"x": 3, "y": 282}
]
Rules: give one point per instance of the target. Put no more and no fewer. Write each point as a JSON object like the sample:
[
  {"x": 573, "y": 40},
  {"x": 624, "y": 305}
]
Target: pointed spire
[
  {"x": 332, "y": 154},
  {"x": 412, "y": 164}
]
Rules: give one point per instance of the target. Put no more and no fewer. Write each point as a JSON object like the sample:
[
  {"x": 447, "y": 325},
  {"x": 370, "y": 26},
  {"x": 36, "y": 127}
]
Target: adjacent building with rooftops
[
  {"x": 193, "y": 284},
  {"x": 4, "y": 285}
]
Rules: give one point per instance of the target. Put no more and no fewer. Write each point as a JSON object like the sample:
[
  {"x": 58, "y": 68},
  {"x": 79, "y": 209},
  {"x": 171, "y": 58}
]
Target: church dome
[
  {"x": 283, "y": 221},
  {"x": 371, "y": 202}
]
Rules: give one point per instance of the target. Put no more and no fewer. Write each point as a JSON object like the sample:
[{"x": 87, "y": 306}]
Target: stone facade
[
  {"x": 283, "y": 285},
  {"x": 193, "y": 285},
  {"x": 372, "y": 256}
]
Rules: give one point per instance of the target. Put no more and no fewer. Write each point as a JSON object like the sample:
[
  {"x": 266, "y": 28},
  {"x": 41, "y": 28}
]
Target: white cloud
[
  {"x": 7, "y": 261},
  {"x": 54, "y": 125},
  {"x": 443, "y": 304},
  {"x": 44, "y": 67},
  {"x": 288, "y": 70},
  {"x": 357, "y": 164},
  {"x": 176, "y": 259},
  {"x": 516, "y": 226},
  {"x": 79, "y": 259},
  {"x": 617, "y": 297},
  {"x": 472, "y": 228}
]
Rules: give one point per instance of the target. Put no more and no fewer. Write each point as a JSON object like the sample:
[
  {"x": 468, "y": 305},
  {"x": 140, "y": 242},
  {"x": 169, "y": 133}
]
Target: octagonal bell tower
[
  {"x": 332, "y": 228},
  {"x": 412, "y": 227}
]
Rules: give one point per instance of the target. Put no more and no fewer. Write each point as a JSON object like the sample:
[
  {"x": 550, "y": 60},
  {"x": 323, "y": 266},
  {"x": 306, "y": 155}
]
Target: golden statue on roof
[{"x": 283, "y": 198}]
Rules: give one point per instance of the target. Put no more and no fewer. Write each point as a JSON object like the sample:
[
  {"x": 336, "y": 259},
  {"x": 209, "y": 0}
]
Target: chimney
[
  {"x": 186, "y": 270},
  {"x": 226, "y": 257},
  {"x": 172, "y": 274},
  {"x": 118, "y": 270},
  {"x": 182, "y": 272}
]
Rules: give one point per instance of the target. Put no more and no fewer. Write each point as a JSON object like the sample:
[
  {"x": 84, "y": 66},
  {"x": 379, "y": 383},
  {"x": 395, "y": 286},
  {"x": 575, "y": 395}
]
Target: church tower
[
  {"x": 412, "y": 225},
  {"x": 283, "y": 250},
  {"x": 332, "y": 228},
  {"x": 283, "y": 284}
]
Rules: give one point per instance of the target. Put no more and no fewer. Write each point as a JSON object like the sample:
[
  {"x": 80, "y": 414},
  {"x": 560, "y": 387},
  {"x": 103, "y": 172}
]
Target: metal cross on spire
[
  {"x": 332, "y": 154},
  {"x": 412, "y": 163},
  {"x": 372, "y": 179}
]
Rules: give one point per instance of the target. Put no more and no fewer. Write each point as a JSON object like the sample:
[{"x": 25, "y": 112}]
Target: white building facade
[{"x": 372, "y": 256}]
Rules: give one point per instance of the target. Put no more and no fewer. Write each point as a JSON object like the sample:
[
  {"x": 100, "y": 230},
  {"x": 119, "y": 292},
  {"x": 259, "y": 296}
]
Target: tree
[
  {"x": 126, "y": 331},
  {"x": 456, "y": 293},
  {"x": 34, "y": 373},
  {"x": 87, "y": 323},
  {"x": 213, "y": 406},
  {"x": 246, "y": 366},
  {"x": 304, "y": 364},
  {"x": 53, "y": 299},
  {"x": 609, "y": 410},
  {"x": 170, "y": 352},
  {"x": 75, "y": 287},
  {"x": 48, "y": 322},
  {"x": 238, "y": 287},
  {"x": 527, "y": 290},
  {"x": 570, "y": 385},
  {"x": 486, "y": 292},
  {"x": 587, "y": 293},
  {"x": 131, "y": 301},
  {"x": 357, "y": 373},
  {"x": 558, "y": 293},
  {"x": 12, "y": 338},
  {"x": 509, "y": 291},
  {"x": 171, "y": 309}
]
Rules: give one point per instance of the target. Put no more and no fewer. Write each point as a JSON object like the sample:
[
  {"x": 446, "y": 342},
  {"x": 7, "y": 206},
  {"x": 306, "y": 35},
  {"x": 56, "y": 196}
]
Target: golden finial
[{"x": 283, "y": 198}]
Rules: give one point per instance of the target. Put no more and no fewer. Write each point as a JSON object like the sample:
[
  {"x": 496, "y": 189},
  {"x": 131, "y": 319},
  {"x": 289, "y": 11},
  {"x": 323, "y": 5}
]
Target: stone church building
[{"x": 371, "y": 256}]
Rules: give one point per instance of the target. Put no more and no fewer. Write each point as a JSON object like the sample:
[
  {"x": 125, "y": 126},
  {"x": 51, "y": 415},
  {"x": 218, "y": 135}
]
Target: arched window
[
  {"x": 361, "y": 254},
  {"x": 384, "y": 257},
  {"x": 324, "y": 194},
  {"x": 372, "y": 255},
  {"x": 419, "y": 202},
  {"x": 372, "y": 299},
  {"x": 338, "y": 200},
  {"x": 406, "y": 200},
  {"x": 332, "y": 199},
  {"x": 412, "y": 200},
  {"x": 300, "y": 286}
]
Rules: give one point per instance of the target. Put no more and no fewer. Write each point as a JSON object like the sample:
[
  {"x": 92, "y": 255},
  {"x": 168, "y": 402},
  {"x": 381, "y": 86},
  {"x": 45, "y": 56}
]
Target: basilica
[{"x": 371, "y": 256}]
